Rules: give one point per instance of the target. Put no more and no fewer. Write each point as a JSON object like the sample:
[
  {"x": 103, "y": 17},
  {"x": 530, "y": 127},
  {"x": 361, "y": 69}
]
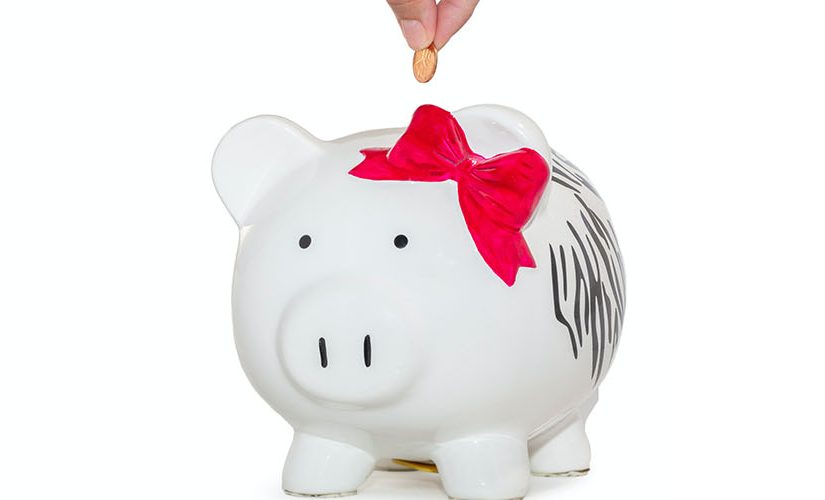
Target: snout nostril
[
  {"x": 322, "y": 346},
  {"x": 367, "y": 351}
]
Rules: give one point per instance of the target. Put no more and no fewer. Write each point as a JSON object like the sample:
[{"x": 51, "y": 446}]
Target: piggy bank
[{"x": 446, "y": 296}]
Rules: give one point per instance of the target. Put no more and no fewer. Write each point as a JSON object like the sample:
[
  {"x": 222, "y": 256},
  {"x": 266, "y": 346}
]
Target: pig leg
[
  {"x": 484, "y": 467},
  {"x": 321, "y": 467},
  {"x": 563, "y": 450}
]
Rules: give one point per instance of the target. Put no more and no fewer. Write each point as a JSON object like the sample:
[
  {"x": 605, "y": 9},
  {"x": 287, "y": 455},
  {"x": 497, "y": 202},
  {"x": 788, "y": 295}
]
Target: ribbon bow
[{"x": 497, "y": 195}]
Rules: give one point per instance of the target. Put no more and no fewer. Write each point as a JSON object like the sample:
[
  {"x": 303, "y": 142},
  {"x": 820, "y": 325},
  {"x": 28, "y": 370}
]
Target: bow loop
[
  {"x": 497, "y": 195},
  {"x": 433, "y": 140}
]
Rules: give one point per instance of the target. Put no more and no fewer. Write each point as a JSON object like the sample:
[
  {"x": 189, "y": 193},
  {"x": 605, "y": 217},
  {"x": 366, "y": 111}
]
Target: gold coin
[
  {"x": 422, "y": 466},
  {"x": 424, "y": 63}
]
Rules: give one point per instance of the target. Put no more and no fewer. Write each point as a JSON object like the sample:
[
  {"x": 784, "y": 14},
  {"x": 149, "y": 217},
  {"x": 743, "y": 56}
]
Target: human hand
[{"x": 423, "y": 22}]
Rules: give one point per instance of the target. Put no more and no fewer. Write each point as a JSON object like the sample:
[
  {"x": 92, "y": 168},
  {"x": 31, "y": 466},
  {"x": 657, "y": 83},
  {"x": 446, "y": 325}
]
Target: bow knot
[
  {"x": 463, "y": 167},
  {"x": 497, "y": 195}
]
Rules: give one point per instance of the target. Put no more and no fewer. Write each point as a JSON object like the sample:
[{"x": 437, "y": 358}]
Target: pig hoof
[
  {"x": 514, "y": 498},
  {"x": 486, "y": 466},
  {"x": 564, "y": 452},
  {"x": 318, "y": 467},
  {"x": 321, "y": 495},
  {"x": 570, "y": 473}
]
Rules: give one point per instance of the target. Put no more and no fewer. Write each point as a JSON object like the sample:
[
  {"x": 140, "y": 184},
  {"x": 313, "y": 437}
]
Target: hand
[{"x": 423, "y": 22}]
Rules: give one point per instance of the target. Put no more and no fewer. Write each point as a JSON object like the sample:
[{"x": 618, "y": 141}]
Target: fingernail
[{"x": 414, "y": 33}]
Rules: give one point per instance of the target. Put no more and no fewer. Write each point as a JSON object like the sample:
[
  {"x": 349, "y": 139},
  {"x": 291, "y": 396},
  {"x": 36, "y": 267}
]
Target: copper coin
[{"x": 424, "y": 63}]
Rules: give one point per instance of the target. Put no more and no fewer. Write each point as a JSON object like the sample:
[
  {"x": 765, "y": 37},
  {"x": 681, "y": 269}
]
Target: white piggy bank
[{"x": 448, "y": 295}]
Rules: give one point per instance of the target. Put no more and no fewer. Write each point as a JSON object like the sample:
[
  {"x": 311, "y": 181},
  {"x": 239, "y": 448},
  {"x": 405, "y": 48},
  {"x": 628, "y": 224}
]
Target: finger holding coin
[{"x": 428, "y": 26}]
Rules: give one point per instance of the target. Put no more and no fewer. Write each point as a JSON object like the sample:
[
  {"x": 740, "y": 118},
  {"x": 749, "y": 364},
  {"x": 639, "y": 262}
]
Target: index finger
[{"x": 452, "y": 15}]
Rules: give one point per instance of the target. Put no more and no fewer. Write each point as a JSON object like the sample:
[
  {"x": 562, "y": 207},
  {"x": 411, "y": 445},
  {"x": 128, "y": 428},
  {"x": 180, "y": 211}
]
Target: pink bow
[{"x": 497, "y": 195}]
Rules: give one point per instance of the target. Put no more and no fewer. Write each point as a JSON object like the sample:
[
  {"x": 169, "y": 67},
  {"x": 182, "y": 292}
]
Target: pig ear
[
  {"x": 254, "y": 156},
  {"x": 493, "y": 129}
]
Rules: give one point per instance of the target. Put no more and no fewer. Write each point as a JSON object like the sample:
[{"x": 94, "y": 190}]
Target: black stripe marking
[
  {"x": 603, "y": 254},
  {"x": 554, "y": 274},
  {"x": 576, "y": 305},
  {"x": 597, "y": 296},
  {"x": 564, "y": 173},
  {"x": 563, "y": 270},
  {"x": 561, "y": 182}
]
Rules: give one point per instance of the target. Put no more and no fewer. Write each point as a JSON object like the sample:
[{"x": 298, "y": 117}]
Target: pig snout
[{"x": 349, "y": 345}]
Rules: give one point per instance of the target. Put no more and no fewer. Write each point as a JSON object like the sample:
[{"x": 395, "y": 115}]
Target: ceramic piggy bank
[{"x": 446, "y": 296}]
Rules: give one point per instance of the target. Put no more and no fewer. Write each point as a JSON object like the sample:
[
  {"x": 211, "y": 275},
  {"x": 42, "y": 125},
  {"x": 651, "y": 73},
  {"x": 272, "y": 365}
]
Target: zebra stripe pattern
[{"x": 589, "y": 273}]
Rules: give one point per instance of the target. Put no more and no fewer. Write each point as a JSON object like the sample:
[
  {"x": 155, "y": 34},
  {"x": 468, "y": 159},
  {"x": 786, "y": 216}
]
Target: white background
[{"x": 702, "y": 123}]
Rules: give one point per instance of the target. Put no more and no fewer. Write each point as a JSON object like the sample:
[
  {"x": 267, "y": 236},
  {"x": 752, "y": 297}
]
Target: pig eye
[
  {"x": 304, "y": 241},
  {"x": 400, "y": 241}
]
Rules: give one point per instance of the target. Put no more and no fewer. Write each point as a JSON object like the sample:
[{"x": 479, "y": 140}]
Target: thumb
[{"x": 417, "y": 19}]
